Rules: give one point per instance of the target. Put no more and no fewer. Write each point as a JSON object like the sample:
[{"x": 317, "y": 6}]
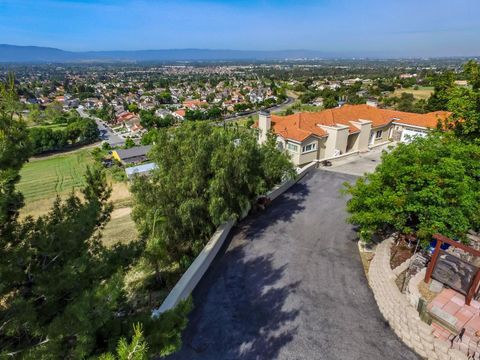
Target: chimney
[{"x": 264, "y": 125}]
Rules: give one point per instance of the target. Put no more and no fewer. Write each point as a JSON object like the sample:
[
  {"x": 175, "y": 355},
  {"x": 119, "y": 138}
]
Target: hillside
[{"x": 26, "y": 54}]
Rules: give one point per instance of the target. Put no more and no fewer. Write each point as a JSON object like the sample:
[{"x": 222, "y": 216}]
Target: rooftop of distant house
[
  {"x": 133, "y": 155},
  {"x": 299, "y": 126}
]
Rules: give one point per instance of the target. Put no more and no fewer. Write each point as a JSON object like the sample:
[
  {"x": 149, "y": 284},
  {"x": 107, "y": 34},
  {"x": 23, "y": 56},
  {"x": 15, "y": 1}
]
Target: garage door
[{"x": 409, "y": 134}]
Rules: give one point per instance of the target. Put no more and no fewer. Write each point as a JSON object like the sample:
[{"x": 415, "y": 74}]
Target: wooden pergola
[{"x": 441, "y": 240}]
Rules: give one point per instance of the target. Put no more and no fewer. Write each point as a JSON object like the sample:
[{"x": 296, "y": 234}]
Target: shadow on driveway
[
  {"x": 289, "y": 284},
  {"x": 240, "y": 310}
]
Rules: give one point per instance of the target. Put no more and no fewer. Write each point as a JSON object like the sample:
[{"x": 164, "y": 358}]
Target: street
[{"x": 106, "y": 133}]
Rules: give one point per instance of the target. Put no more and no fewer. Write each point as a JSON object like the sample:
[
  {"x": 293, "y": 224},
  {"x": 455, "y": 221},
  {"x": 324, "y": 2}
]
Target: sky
[{"x": 390, "y": 28}]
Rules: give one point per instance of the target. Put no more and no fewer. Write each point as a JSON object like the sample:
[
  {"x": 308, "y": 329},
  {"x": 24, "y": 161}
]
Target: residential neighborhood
[{"x": 263, "y": 180}]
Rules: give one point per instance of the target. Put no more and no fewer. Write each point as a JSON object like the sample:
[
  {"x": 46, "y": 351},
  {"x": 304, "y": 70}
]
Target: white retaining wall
[{"x": 280, "y": 189}]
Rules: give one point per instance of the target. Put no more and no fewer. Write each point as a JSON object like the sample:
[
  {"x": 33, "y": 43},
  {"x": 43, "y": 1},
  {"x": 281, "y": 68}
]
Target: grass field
[
  {"x": 120, "y": 228},
  {"x": 44, "y": 178},
  {"x": 53, "y": 126},
  {"x": 423, "y": 92}
]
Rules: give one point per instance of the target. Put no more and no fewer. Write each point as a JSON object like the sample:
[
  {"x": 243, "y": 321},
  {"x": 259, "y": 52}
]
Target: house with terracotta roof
[
  {"x": 310, "y": 136},
  {"x": 180, "y": 114},
  {"x": 194, "y": 104}
]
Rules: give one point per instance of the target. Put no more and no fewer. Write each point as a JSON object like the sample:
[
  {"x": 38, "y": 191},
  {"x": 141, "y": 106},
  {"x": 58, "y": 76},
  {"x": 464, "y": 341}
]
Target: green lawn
[
  {"x": 44, "y": 178},
  {"x": 53, "y": 126},
  {"x": 59, "y": 174}
]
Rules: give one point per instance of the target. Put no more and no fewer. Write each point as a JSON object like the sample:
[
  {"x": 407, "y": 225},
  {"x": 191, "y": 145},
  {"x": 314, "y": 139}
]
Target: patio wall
[{"x": 402, "y": 317}]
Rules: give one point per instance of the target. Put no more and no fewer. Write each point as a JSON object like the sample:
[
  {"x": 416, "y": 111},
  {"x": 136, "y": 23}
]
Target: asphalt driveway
[
  {"x": 361, "y": 163},
  {"x": 289, "y": 284}
]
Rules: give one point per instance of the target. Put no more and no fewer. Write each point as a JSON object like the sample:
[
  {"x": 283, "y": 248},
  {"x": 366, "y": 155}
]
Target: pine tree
[{"x": 136, "y": 349}]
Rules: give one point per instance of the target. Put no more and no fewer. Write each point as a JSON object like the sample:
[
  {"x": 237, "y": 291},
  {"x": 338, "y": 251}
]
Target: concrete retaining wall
[
  {"x": 189, "y": 280},
  {"x": 341, "y": 157},
  {"x": 194, "y": 273},
  {"x": 400, "y": 314},
  {"x": 373, "y": 146},
  {"x": 280, "y": 189}
]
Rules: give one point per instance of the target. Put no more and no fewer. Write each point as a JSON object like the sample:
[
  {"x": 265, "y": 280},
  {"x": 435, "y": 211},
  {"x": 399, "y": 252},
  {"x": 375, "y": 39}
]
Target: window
[
  {"x": 309, "y": 147},
  {"x": 378, "y": 135},
  {"x": 292, "y": 147}
]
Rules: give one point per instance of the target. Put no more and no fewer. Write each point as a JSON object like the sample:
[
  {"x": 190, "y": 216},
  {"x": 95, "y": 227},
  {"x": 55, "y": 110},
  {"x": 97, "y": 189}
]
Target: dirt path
[{"x": 121, "y": 212}]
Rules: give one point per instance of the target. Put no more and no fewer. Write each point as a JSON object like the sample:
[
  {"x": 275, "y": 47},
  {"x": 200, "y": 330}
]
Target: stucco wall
[
  {"x": 342, "y": 139},
  {"x": 336, "y": 140},
  {"x": 321, "y": 148},
  {"x": 353, "y": 141},
  {"x": 308, "y": 157},
  {"x": 385, "y": 132},
  {"x": 294, "y": 155},
  {"x": 365, "y": 130}
]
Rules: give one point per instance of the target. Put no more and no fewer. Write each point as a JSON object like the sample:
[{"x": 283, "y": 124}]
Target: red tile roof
[
  {"x": 194, "y": 103},
  {"x": 299, "y": 126},
  {"x": 180, "y": 112},
  {"x": 125, "y": 116}
]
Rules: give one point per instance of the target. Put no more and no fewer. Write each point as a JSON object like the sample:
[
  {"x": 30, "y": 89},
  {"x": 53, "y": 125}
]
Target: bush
[
  {"x": 78, "y": 132},
  {"x": 428, "y": 186}
]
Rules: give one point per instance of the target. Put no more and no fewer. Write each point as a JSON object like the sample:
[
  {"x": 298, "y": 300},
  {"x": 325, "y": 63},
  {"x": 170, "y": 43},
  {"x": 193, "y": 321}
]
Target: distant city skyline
[{"x": 373, "y": 28}]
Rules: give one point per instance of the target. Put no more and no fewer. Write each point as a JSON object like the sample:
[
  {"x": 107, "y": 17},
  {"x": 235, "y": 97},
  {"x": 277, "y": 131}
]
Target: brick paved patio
[{"x": 451, "y": 305}]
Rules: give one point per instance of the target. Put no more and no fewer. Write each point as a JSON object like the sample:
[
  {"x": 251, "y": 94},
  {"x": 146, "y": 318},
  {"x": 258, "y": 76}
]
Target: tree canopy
[
  {"x": 428, "y": 186},
  {"x": 63, "y": 294},
  {"x": 205, "y": 176},
  {"x": 464, "y": 103}
]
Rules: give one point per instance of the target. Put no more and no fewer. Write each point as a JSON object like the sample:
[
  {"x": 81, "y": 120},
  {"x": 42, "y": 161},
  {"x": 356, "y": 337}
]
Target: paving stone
[
  {"x": 456, "y": 355},
  {"x": 441, "y": 346}
]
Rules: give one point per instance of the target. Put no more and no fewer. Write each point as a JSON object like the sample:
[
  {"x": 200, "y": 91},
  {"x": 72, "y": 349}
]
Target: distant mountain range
[{"x": 37, "y": 54}]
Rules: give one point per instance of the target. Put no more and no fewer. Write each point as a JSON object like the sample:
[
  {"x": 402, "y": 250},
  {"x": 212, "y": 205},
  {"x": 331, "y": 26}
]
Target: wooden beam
[
  {"x": 457, "y": 244},
  {"x": 433, "y": 261},
  {"x": 473, "y": 288}
]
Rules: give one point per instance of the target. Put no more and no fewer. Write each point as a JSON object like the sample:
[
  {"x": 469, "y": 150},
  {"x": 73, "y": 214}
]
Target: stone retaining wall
[
  {"x": 400, "y": 314},
  {"x": 413, "y": 292}
]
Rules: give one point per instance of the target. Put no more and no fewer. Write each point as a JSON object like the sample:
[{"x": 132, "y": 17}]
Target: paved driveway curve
[{"x": 289, "y": 284}]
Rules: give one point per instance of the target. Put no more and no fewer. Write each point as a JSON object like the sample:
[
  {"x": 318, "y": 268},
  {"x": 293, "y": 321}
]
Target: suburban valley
[{"x": 196, "y": 202}]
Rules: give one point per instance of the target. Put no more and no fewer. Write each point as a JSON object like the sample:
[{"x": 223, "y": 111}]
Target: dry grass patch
[
  {"x": 366, "y": 257},
  {"x": 120, "y": 229},
  {"x": 422, "y": 93},
  {"x": 43, "y": 179}
]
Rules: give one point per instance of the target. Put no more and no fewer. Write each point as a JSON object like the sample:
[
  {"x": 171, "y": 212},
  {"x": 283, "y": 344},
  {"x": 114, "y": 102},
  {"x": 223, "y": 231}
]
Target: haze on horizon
[{"x": 387, "y": 28}]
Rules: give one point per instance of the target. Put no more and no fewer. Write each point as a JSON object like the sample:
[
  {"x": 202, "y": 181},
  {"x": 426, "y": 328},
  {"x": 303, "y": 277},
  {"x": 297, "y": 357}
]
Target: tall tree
[
  {"x": 205, "y": 175},
  {"x": 443, "y": 83},
  {"x": 136, "y": 349},
  {"x": 14, "y": 152},
  {"x": 472, "y": 72},
  {"x": 464, "y": 103},
  {"x": 61, "y": 290}
]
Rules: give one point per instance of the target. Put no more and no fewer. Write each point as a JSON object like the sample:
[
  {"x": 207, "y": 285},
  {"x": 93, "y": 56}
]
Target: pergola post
[
  {"x": 433, "y": 261},
  {"x": 473, "y": 288}
]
